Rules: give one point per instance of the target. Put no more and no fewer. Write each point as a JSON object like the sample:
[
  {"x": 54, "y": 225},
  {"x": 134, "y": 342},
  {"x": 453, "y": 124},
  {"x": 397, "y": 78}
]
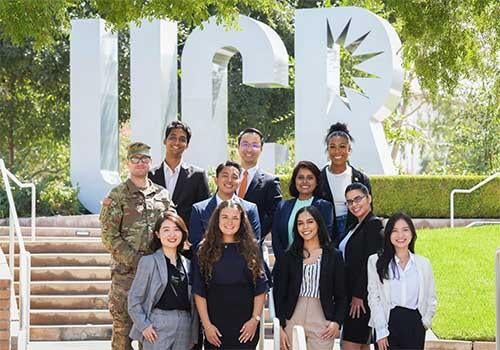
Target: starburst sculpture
[{"x": 349, "y": 61}]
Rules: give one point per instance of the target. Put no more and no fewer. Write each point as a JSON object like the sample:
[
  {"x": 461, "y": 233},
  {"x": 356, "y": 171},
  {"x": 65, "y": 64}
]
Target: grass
[{"x": 463, "y": 262}]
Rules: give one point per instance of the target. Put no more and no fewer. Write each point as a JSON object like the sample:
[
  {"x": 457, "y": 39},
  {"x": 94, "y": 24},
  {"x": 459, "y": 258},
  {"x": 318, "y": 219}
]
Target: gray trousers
[{"x": 173, "y": 328}]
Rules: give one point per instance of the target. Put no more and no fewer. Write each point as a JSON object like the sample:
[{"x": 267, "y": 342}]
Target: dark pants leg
[{"x": 406, "y": 331}]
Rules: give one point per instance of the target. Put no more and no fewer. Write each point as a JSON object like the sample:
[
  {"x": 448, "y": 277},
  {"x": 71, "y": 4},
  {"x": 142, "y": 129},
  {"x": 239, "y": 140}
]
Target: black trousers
[{"x": 406, "y": 331}]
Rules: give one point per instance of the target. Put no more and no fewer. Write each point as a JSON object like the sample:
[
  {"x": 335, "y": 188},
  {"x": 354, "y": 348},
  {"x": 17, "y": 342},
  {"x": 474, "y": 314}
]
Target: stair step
[
  {"x": 70, "y": 317},
  {"x": 56, "y": 245},
  {"x": 55, "y": 231},
  {"x": 71, "y": 273},
  {"x": 68, "y": 259},
  {"x": 64, "y": 302},
  {"x": 91, "y": 220},
  {"x": 82, "y": 332},
  {"x": 70, "y": 332},
  {"x": 67, "y": 287}
]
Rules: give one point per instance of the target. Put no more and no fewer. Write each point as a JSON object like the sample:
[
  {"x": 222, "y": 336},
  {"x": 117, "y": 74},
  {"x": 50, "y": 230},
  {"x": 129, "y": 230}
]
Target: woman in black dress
[
  {"x": 363, "y": 239},
  {"x": 229, "y": 281}
]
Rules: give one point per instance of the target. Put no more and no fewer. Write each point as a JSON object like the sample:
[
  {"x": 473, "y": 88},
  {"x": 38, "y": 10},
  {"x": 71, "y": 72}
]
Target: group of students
[{"x": 337, "y": 272}]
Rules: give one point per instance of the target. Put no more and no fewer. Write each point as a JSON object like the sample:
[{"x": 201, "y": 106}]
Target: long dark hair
[
  {"x": 211, "y": 246},
  {"x": 386, "y": 258},
  {"x": 155, "y": 243},
  {"x": 297, "y": 247}
]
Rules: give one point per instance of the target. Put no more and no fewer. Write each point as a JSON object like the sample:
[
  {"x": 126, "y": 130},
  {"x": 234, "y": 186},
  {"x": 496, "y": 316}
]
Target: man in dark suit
[
  {"x": 187, "y": 183},
  {"x": 257, "y": 186},
  {"x": 227, "y": 178}
]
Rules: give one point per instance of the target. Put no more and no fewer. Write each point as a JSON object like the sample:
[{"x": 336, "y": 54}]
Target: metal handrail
[
  {"x": 24, "y": 259},
  {"x": 472, "y": 189},
  {"x": 276, "y": 333},
  {"x": 299, "y": 338},
  {"x": 260, "y": 345}
]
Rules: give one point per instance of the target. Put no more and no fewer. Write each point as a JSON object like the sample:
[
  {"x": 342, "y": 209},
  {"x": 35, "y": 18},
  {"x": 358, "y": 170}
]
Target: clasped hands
[
  {"x": 331, "y": 331},
  {"x": 247, "y": 331}
]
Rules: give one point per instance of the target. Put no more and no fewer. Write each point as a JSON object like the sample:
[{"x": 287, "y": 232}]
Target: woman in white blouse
[{"x": 401, "y": 292}]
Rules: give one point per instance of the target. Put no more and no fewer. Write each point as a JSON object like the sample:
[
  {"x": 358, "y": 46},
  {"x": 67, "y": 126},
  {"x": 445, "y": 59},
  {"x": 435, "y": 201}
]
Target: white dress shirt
[
  {"x": 404, "y": 284},
  {"x": 171, "y": 176},
  {"x": 219, "y": 200}
]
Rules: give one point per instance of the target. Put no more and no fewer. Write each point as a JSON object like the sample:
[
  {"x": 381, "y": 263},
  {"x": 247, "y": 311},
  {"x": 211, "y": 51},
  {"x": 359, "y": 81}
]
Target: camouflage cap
[{"x": 138, "y": 148}]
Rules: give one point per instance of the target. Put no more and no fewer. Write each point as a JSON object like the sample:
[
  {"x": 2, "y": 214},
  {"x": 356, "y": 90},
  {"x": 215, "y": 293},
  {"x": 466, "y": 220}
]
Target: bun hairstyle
[{"x": 338, "y": 129}]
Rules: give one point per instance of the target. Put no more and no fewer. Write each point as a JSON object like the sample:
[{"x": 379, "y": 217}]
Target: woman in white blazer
[
  {"x": 401, "y": 292},
  {"x": 160, "y": 302}
]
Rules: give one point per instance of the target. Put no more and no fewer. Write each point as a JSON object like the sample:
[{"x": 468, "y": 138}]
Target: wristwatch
[{"x": 257, "y": 317}]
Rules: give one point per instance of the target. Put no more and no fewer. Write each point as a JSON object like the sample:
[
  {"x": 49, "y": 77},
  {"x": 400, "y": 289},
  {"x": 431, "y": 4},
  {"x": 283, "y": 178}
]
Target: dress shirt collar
[
  {"x": 220, "y": 200},
  {"x": 169, "y": 171},
  {"x": 411, "y": 261}
]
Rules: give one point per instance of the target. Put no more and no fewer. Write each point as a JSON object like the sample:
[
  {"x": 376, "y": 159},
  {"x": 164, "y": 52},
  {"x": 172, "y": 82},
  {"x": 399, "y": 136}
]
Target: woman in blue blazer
[
  {"x": 160, "y": 302},
  {"x": 304, "y": 187}
]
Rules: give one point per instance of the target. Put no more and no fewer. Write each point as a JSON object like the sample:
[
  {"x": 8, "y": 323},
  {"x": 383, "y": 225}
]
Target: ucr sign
[{"x": 319, "y": 98}]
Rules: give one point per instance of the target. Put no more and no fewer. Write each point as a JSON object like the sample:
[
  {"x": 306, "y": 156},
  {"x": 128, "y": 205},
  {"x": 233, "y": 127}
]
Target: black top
[
  {"x": 332, "y": 296},
  {"x": 326, "y": 193},
  {"x": 175, "y": 296},
  {"x": 231, "y": 269},
  {"x": 368, "y": 239}
]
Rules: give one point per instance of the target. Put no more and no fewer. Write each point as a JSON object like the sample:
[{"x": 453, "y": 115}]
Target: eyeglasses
[
  {"x": 254, "y": 146},
  {"x": 137, "y": 160},
  {"x": 355, "y": 200}
]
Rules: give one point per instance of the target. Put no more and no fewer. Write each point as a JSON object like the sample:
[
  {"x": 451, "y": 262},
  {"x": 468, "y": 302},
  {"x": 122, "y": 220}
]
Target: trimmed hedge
[{"x": 428, "y": 196}]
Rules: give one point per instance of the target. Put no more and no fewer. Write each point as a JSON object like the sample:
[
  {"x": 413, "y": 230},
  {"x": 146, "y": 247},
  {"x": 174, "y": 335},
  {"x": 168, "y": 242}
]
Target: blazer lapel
[
  {"x": 287, "y": 210},
  {"x": 162, "y": 266},
  {"x": 187, "y": 268},
  {"x": 209, "y": 209},
  {"x": 327, "y": 192},
  {"x": 257, "y": 179},
  {"x": 181, "y": 181}
]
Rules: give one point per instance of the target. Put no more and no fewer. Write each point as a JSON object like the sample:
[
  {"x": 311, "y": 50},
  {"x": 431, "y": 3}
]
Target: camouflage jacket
[{"x": 128, "y": 215}]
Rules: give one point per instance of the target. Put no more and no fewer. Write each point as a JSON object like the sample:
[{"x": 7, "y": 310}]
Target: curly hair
[{"x": 211, "y": 247}]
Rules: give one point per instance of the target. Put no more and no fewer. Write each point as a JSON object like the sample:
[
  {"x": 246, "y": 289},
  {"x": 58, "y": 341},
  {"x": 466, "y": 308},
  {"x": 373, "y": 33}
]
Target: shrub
[
  {"x": 54, "y": 197},
  {"x": 429, "y": 196}
]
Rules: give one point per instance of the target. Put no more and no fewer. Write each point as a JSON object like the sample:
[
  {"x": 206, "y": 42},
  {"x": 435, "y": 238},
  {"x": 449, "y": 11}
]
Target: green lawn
[{"x": 463, "y": 261}]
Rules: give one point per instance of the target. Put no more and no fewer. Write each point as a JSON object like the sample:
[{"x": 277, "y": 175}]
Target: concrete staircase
[{"x": 70, "y": 280}]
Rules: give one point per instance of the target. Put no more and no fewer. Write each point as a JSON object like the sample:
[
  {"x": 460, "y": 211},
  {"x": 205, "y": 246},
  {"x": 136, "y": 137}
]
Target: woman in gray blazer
[
  {"x": 160, "y": 302},
  {"x": 401, "y": 292}
]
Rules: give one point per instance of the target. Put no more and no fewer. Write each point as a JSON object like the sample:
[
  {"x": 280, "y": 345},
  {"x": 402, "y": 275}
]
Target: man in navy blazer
[
  {"x": 257, "y": 186},
  {"x": 187, "y": 183},
  {"x": 227, "y": 178}
]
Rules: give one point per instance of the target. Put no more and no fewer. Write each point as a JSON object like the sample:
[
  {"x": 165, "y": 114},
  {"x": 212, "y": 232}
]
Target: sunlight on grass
[{"x": 463, "y": 262}]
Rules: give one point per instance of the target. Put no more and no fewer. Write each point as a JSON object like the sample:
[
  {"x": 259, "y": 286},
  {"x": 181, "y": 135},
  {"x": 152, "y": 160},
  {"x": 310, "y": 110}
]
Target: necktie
[{"x": 243, "y": 185}]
